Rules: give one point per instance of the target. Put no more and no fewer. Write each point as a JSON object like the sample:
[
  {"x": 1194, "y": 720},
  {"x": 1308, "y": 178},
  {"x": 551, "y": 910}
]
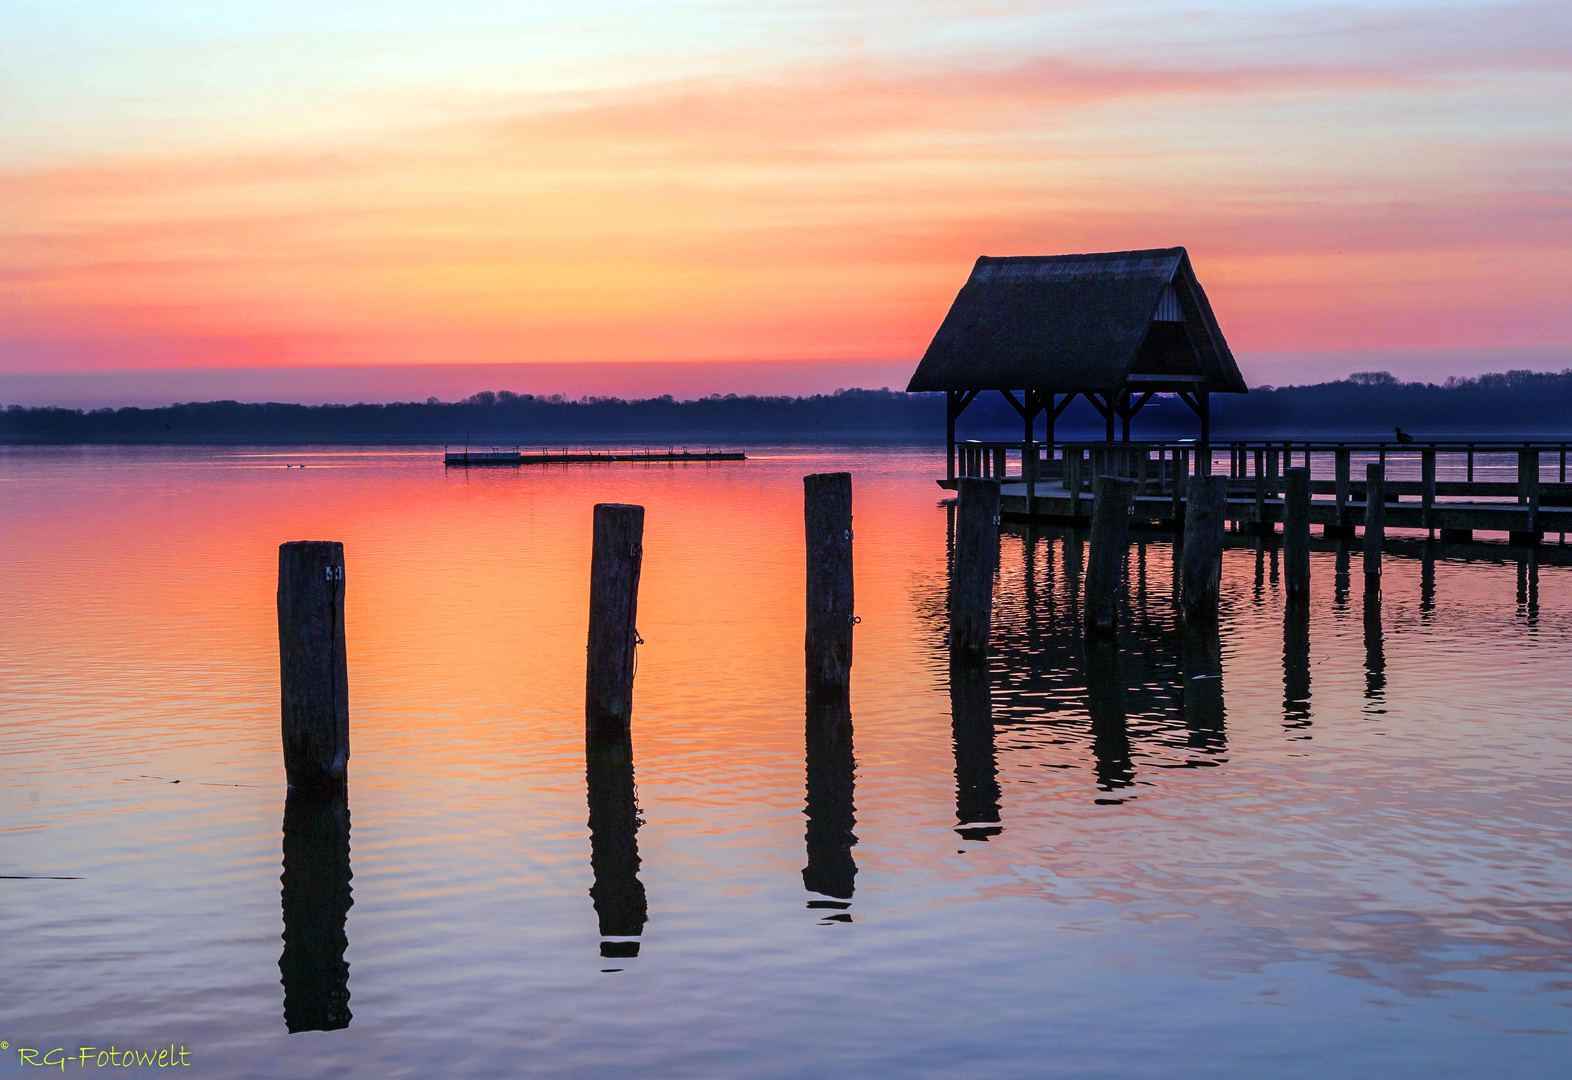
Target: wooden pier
[
  {"x": 1454, "y": 489},
  {"x": 517, "y": 456}
]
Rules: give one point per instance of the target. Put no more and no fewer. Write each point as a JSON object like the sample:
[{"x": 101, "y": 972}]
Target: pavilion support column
[
  {"x": 949, "y": 436},
  {"x": 1029, "y": 453},
  {"x": 1108, "y": 417},
  {"x": 1126, "y": 414}
]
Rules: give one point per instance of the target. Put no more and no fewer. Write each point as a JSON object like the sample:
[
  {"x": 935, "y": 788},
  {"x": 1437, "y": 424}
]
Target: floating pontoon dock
[{"x": 517, "y": 456}]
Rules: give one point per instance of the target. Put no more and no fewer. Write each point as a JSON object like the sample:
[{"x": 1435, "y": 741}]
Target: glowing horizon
[{"x": 285, "y": 186}]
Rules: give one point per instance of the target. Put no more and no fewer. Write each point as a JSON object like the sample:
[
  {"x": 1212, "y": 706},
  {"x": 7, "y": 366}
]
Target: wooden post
[
  {"x": 1296, "y": 533},
  {"x": 1260, "y": 491},
  {"x": 1427, "y": 486},
  {"x": 1470, "y": 463},
  {"x": 1205, "y": 511},
  {"x": 949, "y": 433},
  {"x": 1344, "y": 468},
  {"x": 998, "y": 463},
  {"x": 976, "y": 560},
  {"x": 313, "y": 671},
  {"x": 1271, "y": 471},
  {"x": 1375, "y": 522},
  {"x": 827, "y": 521},
  {"x": 615, "y": 562},
  {"x": 1105, "y": 566}
]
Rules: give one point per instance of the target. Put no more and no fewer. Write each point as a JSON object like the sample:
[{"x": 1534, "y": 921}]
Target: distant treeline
[{"x": 1366, "y": 404}]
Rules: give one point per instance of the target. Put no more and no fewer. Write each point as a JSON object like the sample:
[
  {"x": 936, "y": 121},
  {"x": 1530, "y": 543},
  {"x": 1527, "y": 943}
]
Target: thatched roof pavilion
[{"x": 1115, "y": 328}]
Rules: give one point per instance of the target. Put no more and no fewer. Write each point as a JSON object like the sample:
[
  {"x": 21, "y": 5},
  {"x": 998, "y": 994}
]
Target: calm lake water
[{"x": 1338, "y": 848}]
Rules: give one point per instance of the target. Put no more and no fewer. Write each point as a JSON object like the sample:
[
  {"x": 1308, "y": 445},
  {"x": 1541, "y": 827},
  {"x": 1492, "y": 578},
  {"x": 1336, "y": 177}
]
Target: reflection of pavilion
[{"x": 1159, "y": 694}]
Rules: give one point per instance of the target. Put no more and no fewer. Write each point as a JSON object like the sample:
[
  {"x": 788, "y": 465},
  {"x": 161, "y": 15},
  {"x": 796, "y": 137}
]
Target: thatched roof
[{"x": 1069, "y": 323}]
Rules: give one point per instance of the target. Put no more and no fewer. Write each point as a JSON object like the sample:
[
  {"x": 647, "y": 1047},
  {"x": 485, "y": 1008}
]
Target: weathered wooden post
[
  {"x": 1105, "y": 565},
  {"x": 1427, "y": 486},
  {"x": 1345, "y": 523},
  {"x": 615, "y": 562},
  {"x": 1296, "y": 533},
  {"x": 831, "y": 598},
  {"x": 1375, "y": 523},
  {"x": 313, "y": 670},
  {"x": 976, "y": 560},
  {"x": 1203, "y": 546}
]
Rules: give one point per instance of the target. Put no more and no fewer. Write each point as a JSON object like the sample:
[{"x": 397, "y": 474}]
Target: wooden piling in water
[
  {"x": 1375, "y": 522},
  {"x": 1205, "y": 512},
  {"x": 976, "y": 560},
  {"x": 313, "y": 670},
  {"x": 827, "y": 524},
  {"x": 1105, "y": 565},
  {"x": 1296, "y": 533},
  {"x": 617, "y": 557}
]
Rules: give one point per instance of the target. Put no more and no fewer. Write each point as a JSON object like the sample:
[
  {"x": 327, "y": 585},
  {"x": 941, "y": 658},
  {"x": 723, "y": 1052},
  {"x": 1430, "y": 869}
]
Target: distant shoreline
[{"x": 1365, "y": 406}]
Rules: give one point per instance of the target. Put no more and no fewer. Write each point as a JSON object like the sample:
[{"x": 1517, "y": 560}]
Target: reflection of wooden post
[
  {"x": 1375, "y": 522},
  {"x": 1105, "y": 706},
  {"x": 1201, "y": 667},
  {"x": 1296, "y": 667},
  {"x": 614, "y": 604},
  {"x": 827, "y": 519},
  {"x": 976, "y": 560},
  {"x": 617, "y": 893},
  {"x": 1105, "y": 566},
  {"x": 831, "y": 806},
  {"x": 1296, "y": 533},
  {"x": 976, "y": 770},
  {"x": 314, "y": 674},
  {"x": 316, "y": 901},
  {"x": 1203, "y": 546}
]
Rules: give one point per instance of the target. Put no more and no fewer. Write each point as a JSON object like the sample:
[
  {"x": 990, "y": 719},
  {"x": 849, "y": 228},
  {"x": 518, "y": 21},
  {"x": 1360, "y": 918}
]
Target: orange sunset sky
[{"x": 264, "y": 186}]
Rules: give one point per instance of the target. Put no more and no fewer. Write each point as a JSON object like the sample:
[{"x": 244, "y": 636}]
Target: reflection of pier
[
  {"x": 316, "y": 900},
  {"x": 617, "y": 893},
  {"x": 1161, "y": 689}
]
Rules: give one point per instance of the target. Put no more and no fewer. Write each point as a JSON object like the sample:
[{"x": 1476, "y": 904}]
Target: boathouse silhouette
[{"x": 1115, "y": 328}]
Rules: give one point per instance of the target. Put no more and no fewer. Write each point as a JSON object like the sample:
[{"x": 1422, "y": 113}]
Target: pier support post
[
  {"x": 1203, "y": 546},
  {"x": 976, "y": 560},
  {"x": 1427, "y": 488},
  {"x": 827, "y": 522},
  {"x": 1296, "y": 533},
  {"x": 1375, "y": 523},
  {"x": 615, "y": 563},
  {"x": 1105, "y": 566},
  {"x": 1344, "y": 527},
  {"x": 313, "y": 670}
]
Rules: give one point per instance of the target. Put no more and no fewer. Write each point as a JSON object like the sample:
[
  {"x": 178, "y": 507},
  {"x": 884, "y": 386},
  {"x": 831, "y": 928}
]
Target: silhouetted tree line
[{"x": 1367, "y": 403}]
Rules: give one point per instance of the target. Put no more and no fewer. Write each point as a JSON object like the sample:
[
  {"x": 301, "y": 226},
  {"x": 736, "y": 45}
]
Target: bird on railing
[{"x": 1403, "y": 436}]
